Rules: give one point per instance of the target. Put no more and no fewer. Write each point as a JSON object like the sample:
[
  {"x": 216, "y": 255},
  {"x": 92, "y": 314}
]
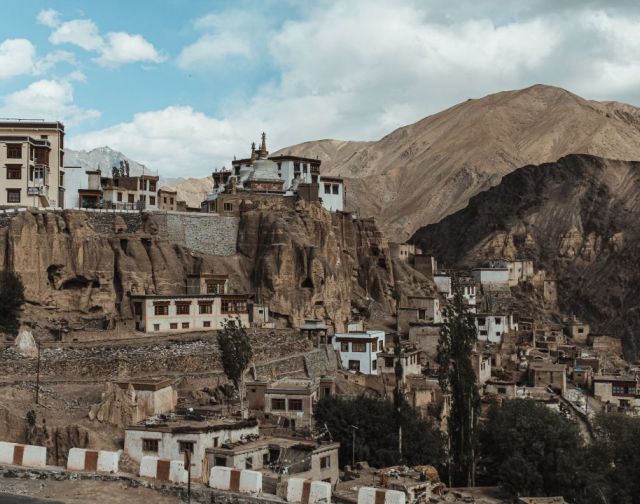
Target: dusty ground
[{"x": 82, "y": 491}]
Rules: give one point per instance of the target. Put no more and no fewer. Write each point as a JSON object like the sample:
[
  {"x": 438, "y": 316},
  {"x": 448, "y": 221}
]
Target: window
[
  {"x": 171, "y": 199},
  {"x": 265, "y": 459},
  {"x": 161, "y": 309},
  {"x": 152, "y": 200},
  {"x": 119, "y": 196},
  {"x": 206, "y": 323},
  {"x": 498, "y": 320},
  {"x": 14, "y": 151},
  {"x": 14, "y": 172},
  {"x": 184, "y": 446},
  {"x": 278, "y": 404},
  {"x": 336, "y": 188},
  {"x": 13, "y": 195},
  {"x": 374, "y": 346},
  {"x": 215, "y": 287},
  {"x": 142, "y": 184},
  {"x": 374, "y": 365},
  {"x": 183, "y": 308},
  {"x": 344, "y": 346},
  {"x": 580, "y": 329},
  {"x": 502, "y": 390},
  {"x": 152, "y": 187},
  {"x": 295, "y": 404},
  {"x": 185, "y": 325},
  {"x": 354, "y": 365},
  {"x": 137, "y": 309},
  {"x": 388, "y": 362},
  {"x": 228, "y": 207},
  {"x": 150, "y": 445},
  {"x": 165, "y": 200},
  {"x": 215, "y": 442},
  {"x": 156, "y": 327},
  {"x": 483, "y": 333},
  {"x": 358, "y": 347},
  {"x": 173, "y": 325},
  {"x": 325, "y": 462},
  {"x": 131, "y": 198},
  {"x": 304, "y": 168},
  {"x": 220, "y": 461},
  {"x": 206, "y": 308},
  {"x": 482, "y": 321},
  {"x": 248, "y": 463},
  {"x": 327, "y": 188}
]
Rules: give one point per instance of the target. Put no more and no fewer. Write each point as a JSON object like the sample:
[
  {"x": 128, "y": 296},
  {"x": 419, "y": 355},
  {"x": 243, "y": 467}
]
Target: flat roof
[
  {"x": 182, "y": 425},
  {"x": 360, "y": 334},
  {"x": 185, "y": 296},
  {"x": 31, "y": 124},
  {"x": 144, "y": 384},
  {"x": 294, "y": 158},
  {"x": 308, "y": 445}
]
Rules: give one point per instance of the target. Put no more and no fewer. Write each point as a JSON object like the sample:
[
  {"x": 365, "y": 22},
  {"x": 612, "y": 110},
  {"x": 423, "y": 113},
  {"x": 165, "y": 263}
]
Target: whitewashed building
[
  {"x": 172, "y": 438},
  {"x": 359, "y": 350},
  {"x": 492, "y": 326},
  {"x": 491, "y": 275}
]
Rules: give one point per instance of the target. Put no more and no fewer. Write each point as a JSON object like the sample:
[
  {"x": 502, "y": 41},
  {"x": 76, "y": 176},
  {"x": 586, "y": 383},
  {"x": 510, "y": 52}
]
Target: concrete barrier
[
  {"x": 23, "y": 455},
  {"x": 80, "y": 459},
  {"x": 163, "y": 469},
  {"x": 236, "y": 480},
  {"x": 368, "y": 495},
  {"x": 304, "y": 491}
]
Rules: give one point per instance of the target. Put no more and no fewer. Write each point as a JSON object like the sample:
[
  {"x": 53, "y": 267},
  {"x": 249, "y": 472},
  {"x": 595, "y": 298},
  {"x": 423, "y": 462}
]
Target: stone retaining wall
[{"x": 202, "y": 232}]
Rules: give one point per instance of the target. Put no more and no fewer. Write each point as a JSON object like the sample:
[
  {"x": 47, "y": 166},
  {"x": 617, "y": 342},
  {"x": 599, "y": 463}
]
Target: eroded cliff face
[
  {"x": 303, "y": 261},
  {"x": 309, "y": 263},
  {"x": 578, "y": 218}
]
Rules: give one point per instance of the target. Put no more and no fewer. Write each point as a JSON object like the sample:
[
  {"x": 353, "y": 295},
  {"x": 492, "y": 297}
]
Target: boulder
[{"x": 25, "y": 344}]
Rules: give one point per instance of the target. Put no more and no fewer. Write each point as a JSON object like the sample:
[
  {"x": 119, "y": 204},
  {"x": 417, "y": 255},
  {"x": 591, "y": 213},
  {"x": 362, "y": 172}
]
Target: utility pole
[
  {"x": 353, "y": 446},
  {"x": 38, "y": 376}
]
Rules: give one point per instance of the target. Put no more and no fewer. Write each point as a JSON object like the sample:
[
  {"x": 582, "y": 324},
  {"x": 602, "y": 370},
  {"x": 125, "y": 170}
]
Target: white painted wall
[{"x": 368, "y": 358}]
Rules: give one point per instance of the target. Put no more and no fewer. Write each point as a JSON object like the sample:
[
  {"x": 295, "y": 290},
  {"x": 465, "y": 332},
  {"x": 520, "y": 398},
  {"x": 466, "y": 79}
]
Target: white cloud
[
  {"x": 122, "y": 48},
  {"x": 46, "y": 99},
  {"x": 49, "y": 18},
  {"x": 17, "y": 57},
  {"x": 232, "y": 34},
  {"x": 359, "y": 69},
  {"x": 80, "y": 32},
  {"x": 50, "y": 60}
]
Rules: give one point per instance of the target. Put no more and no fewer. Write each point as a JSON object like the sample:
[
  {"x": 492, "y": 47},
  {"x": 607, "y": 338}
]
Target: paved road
[{"x": 20, "y": 499}]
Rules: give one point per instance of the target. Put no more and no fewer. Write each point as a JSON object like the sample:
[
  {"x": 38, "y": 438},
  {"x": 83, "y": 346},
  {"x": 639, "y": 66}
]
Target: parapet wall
[{"x": 202, "y": 232}]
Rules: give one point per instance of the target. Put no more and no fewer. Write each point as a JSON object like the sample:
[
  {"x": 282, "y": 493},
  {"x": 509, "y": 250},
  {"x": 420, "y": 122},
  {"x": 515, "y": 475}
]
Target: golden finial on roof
[
  {"x": 263, "y": 146},
  {"x": 253, "y": 151}
]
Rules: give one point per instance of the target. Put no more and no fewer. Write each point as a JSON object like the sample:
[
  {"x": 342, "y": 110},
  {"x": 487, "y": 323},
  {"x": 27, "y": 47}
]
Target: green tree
[
  {"x": 532, "y": 450},
  {"x": 235, "y": 353},
  {"x": 614, "y": 460},
  {"x": 458, "y": 380},
  {"x": 11, "y": 301},
  {"x": 376, "y": 439}
]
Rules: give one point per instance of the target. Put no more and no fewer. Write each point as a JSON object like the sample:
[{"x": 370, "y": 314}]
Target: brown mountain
[
  {"x": 577, "y": 218},
  {"x": 423, "y": 172}
]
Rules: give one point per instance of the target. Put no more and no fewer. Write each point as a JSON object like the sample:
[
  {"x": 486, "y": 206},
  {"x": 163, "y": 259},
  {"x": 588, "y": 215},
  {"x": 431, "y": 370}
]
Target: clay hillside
[
  {"x": 578, "y": 218},
  {"x": 425, "y": 171}
]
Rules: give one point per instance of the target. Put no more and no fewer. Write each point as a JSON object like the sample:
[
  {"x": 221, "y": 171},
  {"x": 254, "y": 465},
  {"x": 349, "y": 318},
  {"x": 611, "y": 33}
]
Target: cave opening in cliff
[
  {"x": 79, "y": 282},
  {"x": 307, "y": 283}
]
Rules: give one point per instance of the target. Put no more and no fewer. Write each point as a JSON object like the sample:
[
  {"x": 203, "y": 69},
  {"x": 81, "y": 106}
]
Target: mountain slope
[
  {"x": 425, "y": 171},
  {"x": 104, "y": 158},
  {"x": 578, "y": 218}
]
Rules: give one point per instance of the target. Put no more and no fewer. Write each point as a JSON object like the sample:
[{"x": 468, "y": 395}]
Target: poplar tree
[
  {"x": 235, "y": 353},
  {"x": 458, "y": 381}
]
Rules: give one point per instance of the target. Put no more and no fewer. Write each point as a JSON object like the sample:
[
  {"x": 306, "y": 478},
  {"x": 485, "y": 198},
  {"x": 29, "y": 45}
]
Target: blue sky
[{"x": 185, "y": 85}]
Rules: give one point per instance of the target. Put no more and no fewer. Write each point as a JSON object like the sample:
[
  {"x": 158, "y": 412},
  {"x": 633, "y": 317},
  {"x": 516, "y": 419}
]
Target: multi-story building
[
  {"x": 262, "y": 176},
  {"x": 130, "y": 192},
  {"x": 204, "y": 306},
  {"x": 168, "y": 199},
  {"x": 32, "y": 164},
  {"x": 492, "y": 326},
  {"x": 359, "y": 350}
]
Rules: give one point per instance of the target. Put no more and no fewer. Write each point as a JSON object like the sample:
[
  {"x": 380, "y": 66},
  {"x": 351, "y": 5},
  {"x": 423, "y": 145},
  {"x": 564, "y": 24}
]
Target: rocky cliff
[
  {"x": 425, "y": 171},
  {"x": 303, "y": 262},
  {"x": 578, "y": 218},
  {"x": 311, "y": 263}
]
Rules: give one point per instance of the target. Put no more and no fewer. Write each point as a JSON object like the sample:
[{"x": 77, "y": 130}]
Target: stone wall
[{"x": 205, "y": 233}]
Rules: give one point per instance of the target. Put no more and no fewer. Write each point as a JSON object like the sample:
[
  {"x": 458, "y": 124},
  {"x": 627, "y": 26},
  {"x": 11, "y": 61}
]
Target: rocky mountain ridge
[
  {"x": 577, "y": 218},
  {"x": 427, "y": 170}
]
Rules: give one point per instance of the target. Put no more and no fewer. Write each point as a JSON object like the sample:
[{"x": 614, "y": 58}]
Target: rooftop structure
[{"x": 283, "y": 175}]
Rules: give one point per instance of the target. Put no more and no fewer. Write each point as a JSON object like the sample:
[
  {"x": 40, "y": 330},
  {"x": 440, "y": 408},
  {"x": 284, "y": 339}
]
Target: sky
[{"x": 183, "y": 86}]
